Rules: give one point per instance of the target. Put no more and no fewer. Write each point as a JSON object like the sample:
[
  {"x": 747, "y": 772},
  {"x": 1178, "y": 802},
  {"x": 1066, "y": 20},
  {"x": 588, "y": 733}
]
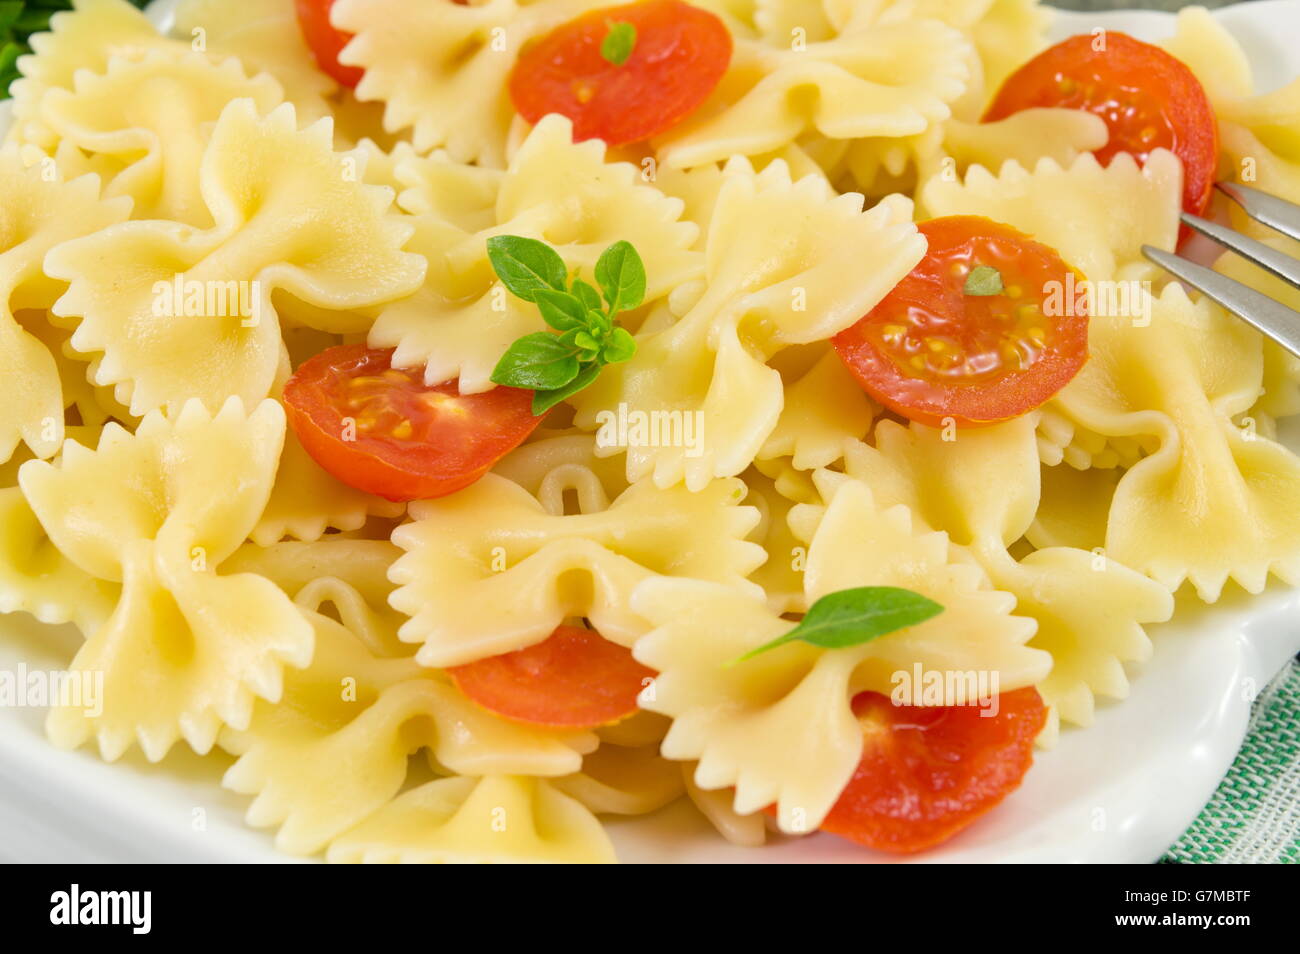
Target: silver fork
[{"x": 1271, "y": 318}]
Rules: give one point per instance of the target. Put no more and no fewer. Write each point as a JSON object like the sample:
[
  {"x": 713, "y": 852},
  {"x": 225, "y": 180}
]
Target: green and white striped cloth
[{"x": 1254, "y": 817}]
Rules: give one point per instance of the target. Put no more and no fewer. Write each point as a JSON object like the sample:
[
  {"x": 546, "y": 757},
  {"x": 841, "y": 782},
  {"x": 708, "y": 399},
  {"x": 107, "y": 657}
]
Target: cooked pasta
[{"x": 830, "y": 434}]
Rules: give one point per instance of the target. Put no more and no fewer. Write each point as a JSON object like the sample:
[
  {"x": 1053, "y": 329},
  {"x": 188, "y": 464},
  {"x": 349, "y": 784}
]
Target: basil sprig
[
  {"x": 852, "y": 617},
  {"x": 556, "y": 366},
  {"x": 619, "y": 42}
]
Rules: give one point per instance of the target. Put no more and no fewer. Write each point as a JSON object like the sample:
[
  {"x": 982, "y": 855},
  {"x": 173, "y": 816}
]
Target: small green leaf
[
  {"x": 10, "y": 11},
  {"x": 586, "y": 342},
  {"x": 543, "y": 401},
  {"x": 852, "y": 617},
  {"x": 561, "y": 310},
  {"x": 620, "y": 347},
  {"x": 526, "y": 265},
  {"x": 619, "y": 42},
  {"x": 983, "y": 280},
  {"x": 540, "y": 361},
  {"x": 587, "y": 294},
  {"x": 621, "y": 276}
]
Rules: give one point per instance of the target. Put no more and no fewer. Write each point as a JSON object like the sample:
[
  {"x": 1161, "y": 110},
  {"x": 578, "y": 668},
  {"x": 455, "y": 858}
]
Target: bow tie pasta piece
[
  {"x": 983, "y": 489},
  {"x": 566, "y": 194},
  {"x": 348, "y": 723},
  {"x": 499, "y": 818},
  {"x": 453, "y": 192},
  {"x": 788, "y": 263},
  {"x": 824, "y": 407},
  {"x": 549, "y": 468},
  {"x": 36, "y": 578},
  {"x": 187, "y": 648},
  {"x": 150, "y": 115},
  {"x": 265, "y": 36},
  {"x": 871, "y": 80},
  {"x": 1063, "y": 440},
  {"x": 780, "y": 727},
  {"x": 1098, "y": 219},
  {"x": 1212, "y": 502},
  {"x": 180, "y": 312},
  {"x": 37, "y": 213},
  {"x": 781, "y": 574},
  {"x": 85, "y": 38},
  {"x": 488, "y": 570},
  {"x": 441, "y": 69}
]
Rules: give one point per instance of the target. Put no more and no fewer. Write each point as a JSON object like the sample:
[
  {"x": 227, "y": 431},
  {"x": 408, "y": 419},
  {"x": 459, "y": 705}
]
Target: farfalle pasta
[{"x": 480, "y": 421}]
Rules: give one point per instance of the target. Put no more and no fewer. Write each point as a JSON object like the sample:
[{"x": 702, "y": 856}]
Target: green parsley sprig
[
  {"x": 556, "y": 366},
  {"x": 19, "y": 19},
  {"x": 855, "y": 616}
]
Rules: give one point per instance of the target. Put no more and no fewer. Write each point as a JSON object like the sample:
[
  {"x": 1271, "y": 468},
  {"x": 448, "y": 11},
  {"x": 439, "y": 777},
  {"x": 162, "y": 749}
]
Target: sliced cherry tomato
[
  {"x": 383, "y": 430},
  {"x": 575, "y": 679},
  {"x": 1148, "y": 99},
  {"x": 931, "y": 351},
  {"x": 679, "y": 56},
  {"x": 928, "y": 772},
  {"x": 325, "y": 41}
]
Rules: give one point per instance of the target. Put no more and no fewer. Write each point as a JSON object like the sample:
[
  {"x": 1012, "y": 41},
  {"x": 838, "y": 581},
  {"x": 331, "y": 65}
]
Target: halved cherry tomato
[
  {"x": 325, "y": 41},
  {"x": 575, "y": 679},
  {"x": 931, "y": 351},
  {"x": 928, "y": 772},
  {"x": 383, "y": 430},
  {"x": 680, "y": 55},
  {"x": 1148, "y": 99}
]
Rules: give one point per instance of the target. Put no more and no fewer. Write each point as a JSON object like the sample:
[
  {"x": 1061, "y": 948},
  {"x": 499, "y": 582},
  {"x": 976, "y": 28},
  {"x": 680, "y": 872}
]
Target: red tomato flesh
[
  {"x": 383, "y": 430},
  {"x": 929, "y": 351},
  {"x": 325, "y": 41},
  {"x": 575, "y": 679},
  {"x": 680, "y": 55},
  {"x": 1148, "y": 99},
  {"x": 928, "y": 772}
]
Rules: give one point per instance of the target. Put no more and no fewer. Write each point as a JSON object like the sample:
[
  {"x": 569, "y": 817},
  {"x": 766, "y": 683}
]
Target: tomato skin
[
  {"x": 894, "y": 351},
  {"x": 680, "y": 55},
  {"x": 927, "y": 773},
  {"x": 574, "y": 679},
  {"x": 412, "y": 441},
  {"x": 1148, "y": 98},
  {"x": 325, "y": 41}
]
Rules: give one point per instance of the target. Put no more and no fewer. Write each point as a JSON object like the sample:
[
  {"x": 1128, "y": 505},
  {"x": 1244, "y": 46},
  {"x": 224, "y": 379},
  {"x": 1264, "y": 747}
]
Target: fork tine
[
  {"x": 1283, "y": 266},
  {"x": 1272, "y": 318},
  {"x": 1276, "y": 213}
]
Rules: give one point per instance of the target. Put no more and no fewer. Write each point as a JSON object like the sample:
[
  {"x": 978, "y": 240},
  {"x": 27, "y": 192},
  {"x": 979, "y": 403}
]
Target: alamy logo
[
  {"x": 23, "y": 688},
  {"x": 625, "y": 428},
  {"x": 190, "y": 298},
  {"x": 74, "y": 906},
  {"x": 946, "y": 687}
]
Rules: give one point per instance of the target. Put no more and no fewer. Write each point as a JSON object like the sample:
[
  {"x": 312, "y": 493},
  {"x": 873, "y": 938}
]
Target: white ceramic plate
[{"x": 1120, "y": 792}]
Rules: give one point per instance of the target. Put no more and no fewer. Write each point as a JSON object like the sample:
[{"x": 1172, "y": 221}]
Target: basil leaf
[
  {"x": 983, "y": 280},
  {"x": 561, "y": 310},
  {"x": 856, "y": 616},
  {"x": 620, "y": 347},
  {"x": 539, "y": 361},
  {"x": 587, "y": 294},
  {"x": 543, "y": 401},
  {"x": 526, "y": 265},
  {"x": 621, "y": 276},
  {"x": 10, "y": 11},
  {"x": 619, "y": 43}
]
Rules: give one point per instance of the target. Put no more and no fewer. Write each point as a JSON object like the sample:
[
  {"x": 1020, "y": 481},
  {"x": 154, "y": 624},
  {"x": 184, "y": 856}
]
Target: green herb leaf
[
  {"x": 561, "y": 310},
  {"x": 620, "y": 347},
  {"x": 856, "y": 616},
  {"x": 983, "y": 280},
  {"x": 540, "y": 361},
  {"x": 525, "y": 266},
  {"x": 621, "y": 276},
  {"x": 619, "y": 42},
  {"x": 587, "y": 294},
  {"x": 543, "y": 401}
]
